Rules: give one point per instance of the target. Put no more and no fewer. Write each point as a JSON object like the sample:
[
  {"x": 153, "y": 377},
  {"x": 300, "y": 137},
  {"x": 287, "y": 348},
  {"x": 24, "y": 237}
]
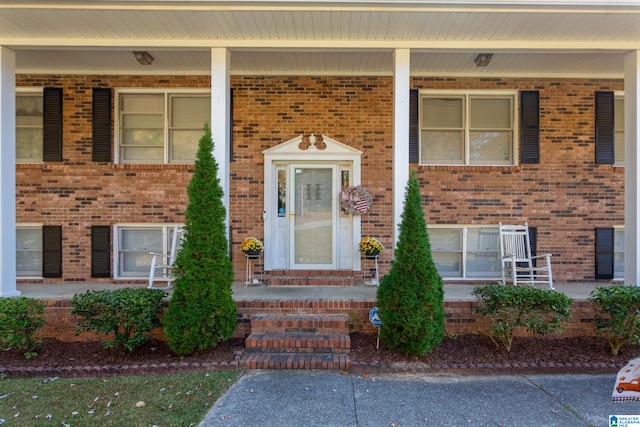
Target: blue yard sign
[{"x": 373, "y": 317}]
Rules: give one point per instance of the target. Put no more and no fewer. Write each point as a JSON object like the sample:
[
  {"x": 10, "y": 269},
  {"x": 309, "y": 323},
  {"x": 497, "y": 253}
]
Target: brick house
[{"x": 100, "y": 122}]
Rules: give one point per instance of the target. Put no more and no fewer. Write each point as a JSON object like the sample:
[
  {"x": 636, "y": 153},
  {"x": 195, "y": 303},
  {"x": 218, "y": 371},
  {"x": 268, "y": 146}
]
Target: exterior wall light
[
  {"x": 483, "y": 59},
  {"x": 143, "y": 58}
]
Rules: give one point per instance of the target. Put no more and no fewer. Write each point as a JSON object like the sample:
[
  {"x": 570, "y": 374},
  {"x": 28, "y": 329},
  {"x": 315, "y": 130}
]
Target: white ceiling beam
[
  {"x": 523, "y": 6},
  {"x": 133, "y": 44}
]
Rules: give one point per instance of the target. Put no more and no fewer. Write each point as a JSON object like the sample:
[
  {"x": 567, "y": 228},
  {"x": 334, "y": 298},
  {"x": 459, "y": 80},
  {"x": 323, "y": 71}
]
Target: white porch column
[
  {"x": 401, "y": 59},
  {"x": 8, "y": 173},
  {"x": 631, "y": 177},
  {"x": 221, "y": 119}
]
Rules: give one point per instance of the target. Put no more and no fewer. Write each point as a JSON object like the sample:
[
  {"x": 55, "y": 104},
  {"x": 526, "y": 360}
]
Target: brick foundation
[{"x": 460, "y": 318}]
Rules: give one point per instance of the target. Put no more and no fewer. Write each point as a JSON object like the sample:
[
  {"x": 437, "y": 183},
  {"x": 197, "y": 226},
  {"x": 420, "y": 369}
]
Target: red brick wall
[
  {"x": 356, "y": 111},
  {"x": 460, "y": 318},
  {"x": 566, "y": 196}
]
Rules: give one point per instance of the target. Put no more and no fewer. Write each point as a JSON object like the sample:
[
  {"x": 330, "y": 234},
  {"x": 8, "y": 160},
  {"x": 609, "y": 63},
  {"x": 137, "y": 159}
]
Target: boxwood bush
[
  {"x": 617, "y": 314},
  {"x": 509, "y": 308},
  {"x": 20, "y": 317},
  {"x": 126, "y": 315}
]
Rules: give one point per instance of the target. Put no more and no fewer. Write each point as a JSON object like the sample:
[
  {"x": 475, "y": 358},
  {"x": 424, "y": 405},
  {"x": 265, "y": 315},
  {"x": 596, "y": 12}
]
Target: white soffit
[{"x": 317, "y": 37}]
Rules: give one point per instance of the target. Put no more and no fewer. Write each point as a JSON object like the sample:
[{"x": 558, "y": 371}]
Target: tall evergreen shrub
[
  {"x": 201, "y": 311},
  {"x": 410, "y": 298}
]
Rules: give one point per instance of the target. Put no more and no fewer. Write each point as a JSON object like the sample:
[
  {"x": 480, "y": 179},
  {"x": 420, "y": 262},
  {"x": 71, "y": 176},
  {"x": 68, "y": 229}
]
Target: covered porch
[{"x": 400, "y": 41}]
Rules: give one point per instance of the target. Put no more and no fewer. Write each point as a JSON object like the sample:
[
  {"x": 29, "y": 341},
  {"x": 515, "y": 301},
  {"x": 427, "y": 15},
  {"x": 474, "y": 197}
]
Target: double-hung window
[
  {"x": 161, "y": 127},
  {"x": 468, "y": 128},
  {"x": 467, "y": 252},
  {"x": 38, "y": 250},
  {"x": 133, "y": 244},
  {"x": 29, "y": 252},
  {"x": 29, "y": 113}
]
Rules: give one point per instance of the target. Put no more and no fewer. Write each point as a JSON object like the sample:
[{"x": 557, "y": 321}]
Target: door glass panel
[
  {"x": 313, "y": 229},
  {"x": 282, "y": 193}
]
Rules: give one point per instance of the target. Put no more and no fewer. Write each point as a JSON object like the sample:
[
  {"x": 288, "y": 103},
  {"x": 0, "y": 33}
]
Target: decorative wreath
[{"x": 355, "y": 200}]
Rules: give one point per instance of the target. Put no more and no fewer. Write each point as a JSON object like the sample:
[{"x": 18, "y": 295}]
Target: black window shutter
[
  {"x": 52, "y": 125},
  {"x": 533, "y": 242},
  {"x": 604, "y": 128},
  {"x": 100, "y": 251},
  {"x": 101, "y": 123},
  {"x": 52, "y": 251},
  {"x": 529, "y": 126},
  {"x": 604, "y": 253},
  {"x": 414, "y": 134}
]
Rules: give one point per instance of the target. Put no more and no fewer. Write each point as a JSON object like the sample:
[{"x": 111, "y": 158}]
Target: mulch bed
[{"x": 465, "y": 351}]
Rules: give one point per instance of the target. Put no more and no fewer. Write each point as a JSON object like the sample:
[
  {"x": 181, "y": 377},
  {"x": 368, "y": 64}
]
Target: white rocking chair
[
  {"x": 518, "y": 265},
  {"x": 162, "y": 264}
]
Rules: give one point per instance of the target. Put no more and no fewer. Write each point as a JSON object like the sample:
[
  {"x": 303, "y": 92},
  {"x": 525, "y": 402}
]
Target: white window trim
[
  {"x": 515, "y": 108},
  {"x": 167, "y": 92},
  {"x": 29, "y": 225},
  {"x": 464, "y": 228},
  {"x": 616, "y": 278},
  {"x": 166, "y": 229},
  {"x": 21, "y": 90},
  {"x": 618, "y": 94}
]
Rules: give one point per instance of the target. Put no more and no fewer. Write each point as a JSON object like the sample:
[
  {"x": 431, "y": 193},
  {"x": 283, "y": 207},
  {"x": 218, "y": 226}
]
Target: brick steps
[
  {"x": 312, "y": 278},
  {"x": 312, "y": 281},
  {"x": 298, "y": 341},
  {"x": 300, "y": 322}
]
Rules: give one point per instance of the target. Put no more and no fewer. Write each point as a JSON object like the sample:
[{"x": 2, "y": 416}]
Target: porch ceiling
[{"x": 318, "y": 37}]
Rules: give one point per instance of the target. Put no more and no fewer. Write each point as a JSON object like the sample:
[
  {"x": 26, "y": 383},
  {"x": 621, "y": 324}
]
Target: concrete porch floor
[{"x": 452, "y": 292}]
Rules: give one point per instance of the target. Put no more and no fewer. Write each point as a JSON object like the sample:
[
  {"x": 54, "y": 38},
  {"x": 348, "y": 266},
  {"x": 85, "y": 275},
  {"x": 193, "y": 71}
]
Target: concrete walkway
[{"x": 312, "y": 398}]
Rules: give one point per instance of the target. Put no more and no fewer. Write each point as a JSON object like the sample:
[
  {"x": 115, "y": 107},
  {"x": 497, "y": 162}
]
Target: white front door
[
  {"x": 304, "y": 226},
  {"x": 313, "y": 216}
]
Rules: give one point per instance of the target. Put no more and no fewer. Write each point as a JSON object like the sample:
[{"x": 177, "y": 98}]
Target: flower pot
[
  {"x": 372, "y": 254},
  {"x": 252, "y": 254}
]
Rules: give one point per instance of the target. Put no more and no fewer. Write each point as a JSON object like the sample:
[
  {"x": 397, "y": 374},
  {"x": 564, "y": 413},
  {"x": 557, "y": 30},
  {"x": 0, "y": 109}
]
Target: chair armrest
[
  {"x": 159, "y": 254},
  {"x": 542, "y": 256}
]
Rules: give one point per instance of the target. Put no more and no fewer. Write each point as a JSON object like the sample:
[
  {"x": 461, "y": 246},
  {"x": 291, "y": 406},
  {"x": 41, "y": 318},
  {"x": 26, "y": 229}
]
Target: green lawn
[{"x": 169, "y": 400}]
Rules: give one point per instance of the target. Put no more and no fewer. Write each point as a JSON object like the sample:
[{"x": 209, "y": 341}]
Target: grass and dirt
[{"x": 143, "y": 400}]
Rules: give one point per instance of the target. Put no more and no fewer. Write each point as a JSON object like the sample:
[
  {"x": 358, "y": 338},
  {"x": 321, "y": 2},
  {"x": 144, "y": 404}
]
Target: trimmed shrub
[
  {"x": 20, "y": 317},
  {"x": 127, "y": 315},
  {"x": 539, "y": 311},
  {"x": 201, "y": 311},
  {"x": 410, "y": 298},
  {"x": 617, "y": 315}
]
